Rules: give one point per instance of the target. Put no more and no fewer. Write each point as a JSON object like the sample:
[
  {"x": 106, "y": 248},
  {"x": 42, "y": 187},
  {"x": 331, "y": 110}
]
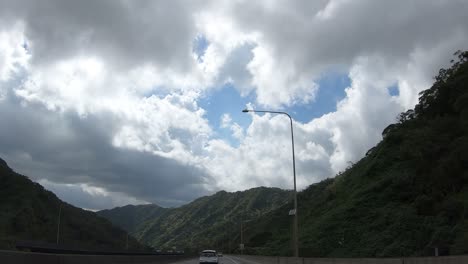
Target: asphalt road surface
[{"x": 226, "y": 259}]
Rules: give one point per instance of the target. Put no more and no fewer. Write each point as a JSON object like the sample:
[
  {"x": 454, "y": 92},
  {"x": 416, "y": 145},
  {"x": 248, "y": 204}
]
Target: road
[{"x": 227, "y": 259}]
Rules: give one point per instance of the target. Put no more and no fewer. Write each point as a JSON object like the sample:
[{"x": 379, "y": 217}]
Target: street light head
[{"x": 245, "y": 111}]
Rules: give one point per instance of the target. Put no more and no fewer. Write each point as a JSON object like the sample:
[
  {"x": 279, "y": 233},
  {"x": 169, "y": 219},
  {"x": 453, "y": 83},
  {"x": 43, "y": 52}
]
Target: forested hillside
[
  {"x": 133, "y": 217},
  {"x": 206, "y": 222},
  {"x": 29, "y": 212}
]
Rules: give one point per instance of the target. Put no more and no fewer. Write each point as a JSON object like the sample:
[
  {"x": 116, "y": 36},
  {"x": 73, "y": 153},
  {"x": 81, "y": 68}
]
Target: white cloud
[
  {"x": 292, "y": 48},
  {"x": 169, "y": 125},
  {"x": 14, "y": 56},
  {"x": 279, "y": 83},
  {"x": 226, "y": 120},
  {"x": 128, "y": 72},
  {"x": 236, "y": 130},
  {"x": 89, "y": 197},
  {"x": 262, "y": 158},
  {"x": 325, "y": 145},
  {"x": 295, "y": 44}
]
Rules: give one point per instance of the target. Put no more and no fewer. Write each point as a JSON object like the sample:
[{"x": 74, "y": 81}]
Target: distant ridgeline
[
  {"x": 28, "y": 212},
  {"x": 208, "y": 222},
  {"x": 407, "y": 196}
]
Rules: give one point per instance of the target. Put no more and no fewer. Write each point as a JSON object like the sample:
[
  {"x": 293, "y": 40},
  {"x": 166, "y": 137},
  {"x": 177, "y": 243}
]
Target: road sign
[
  {"x": 241, "y": 246},
  {"x": 292, "y": 212}
]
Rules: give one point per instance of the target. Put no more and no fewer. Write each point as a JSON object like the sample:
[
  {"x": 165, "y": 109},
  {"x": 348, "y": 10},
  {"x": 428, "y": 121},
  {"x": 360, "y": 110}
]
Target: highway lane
[{"x": 227, "y": 259}]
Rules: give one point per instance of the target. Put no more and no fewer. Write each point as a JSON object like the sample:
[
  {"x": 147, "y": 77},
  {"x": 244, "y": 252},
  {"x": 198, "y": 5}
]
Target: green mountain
[
  {"x": 205, "y": 222},
  {"x": 29, "y": 212},
  {"x": 131, "y": 218},
  {"x": 408, "y": 195}
]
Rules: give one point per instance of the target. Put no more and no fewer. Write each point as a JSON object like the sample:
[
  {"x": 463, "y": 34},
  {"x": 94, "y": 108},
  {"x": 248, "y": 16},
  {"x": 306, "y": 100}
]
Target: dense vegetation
[
  {"x": 29, "y": 212},
  {"x": 207, "y": 222},
  {"x": 133, "y": 218},
  {"x": 408, "y": 195}
]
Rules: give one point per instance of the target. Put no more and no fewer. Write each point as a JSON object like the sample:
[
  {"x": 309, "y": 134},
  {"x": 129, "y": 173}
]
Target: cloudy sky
[{"x": 109, "y": 102}]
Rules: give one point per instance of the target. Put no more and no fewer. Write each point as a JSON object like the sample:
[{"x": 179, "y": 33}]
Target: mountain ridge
[{"x": 199, "y": 216}]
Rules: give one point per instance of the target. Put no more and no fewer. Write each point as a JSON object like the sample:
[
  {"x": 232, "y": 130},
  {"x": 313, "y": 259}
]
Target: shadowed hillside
[
  {"x": 205, "y": 222},
  {"x": 29, "y": 212},
  {"x": 131, "y": 217}
]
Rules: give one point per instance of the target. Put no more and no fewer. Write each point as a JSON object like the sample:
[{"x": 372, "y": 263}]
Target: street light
[
  {"x": 242, "y": 235},
  {"x": 227, "y": 233},
  {"x": 293, "y": 212},
  {"x": 58, "y": 223}
]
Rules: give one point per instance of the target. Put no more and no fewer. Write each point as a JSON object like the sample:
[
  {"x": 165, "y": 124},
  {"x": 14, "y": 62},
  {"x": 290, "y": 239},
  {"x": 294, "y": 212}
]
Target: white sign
[
  {"x": 292, "y": 212},
  {"x": 241, "y": 246}
]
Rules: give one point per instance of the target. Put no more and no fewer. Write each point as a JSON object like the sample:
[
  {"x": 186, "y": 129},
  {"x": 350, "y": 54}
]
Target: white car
[{"x": 208, "y": 256}]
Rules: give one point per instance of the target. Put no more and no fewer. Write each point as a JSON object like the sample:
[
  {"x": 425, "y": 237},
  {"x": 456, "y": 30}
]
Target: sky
[{"x": 108, "y": 103}]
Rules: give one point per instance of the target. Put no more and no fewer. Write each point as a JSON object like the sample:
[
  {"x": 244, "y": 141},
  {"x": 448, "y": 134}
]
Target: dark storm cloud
[
  {"x": 123, "y": 32},
  {"x": 66, "y": 148}
]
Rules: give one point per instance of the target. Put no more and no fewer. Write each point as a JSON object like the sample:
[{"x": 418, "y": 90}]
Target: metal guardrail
[
  {"x": 41, "y": 247},
  {"x": 15, "y": 257},
  {"x": 463, "y": 259}
]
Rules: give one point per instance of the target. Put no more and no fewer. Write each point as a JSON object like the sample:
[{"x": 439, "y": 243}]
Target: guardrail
[
  {"x": 41, "y": 247},
  {"x": 412, "y": 260},
  {"x": 14, "y": 257}
]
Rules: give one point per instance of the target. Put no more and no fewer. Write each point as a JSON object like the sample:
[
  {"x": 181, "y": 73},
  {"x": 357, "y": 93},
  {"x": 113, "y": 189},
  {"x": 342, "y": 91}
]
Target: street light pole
[
  {"x": 242, "y": 238},
  {"x": 58, "y": 224},
  {"x": 242, "y": 234},
  {"x": 126, "y": 243},
  {"x": 295, "y": 228}
]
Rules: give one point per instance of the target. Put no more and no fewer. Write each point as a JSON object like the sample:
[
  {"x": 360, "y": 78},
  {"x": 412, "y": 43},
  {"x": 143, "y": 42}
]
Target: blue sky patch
[
  {"x": 25, "y": 46},
  {"x": 226, "y": 100},
  {"x": 394, "y": 90},
  {"x": 332, "y": 86},
  {"x": 200, "y": 44}
]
